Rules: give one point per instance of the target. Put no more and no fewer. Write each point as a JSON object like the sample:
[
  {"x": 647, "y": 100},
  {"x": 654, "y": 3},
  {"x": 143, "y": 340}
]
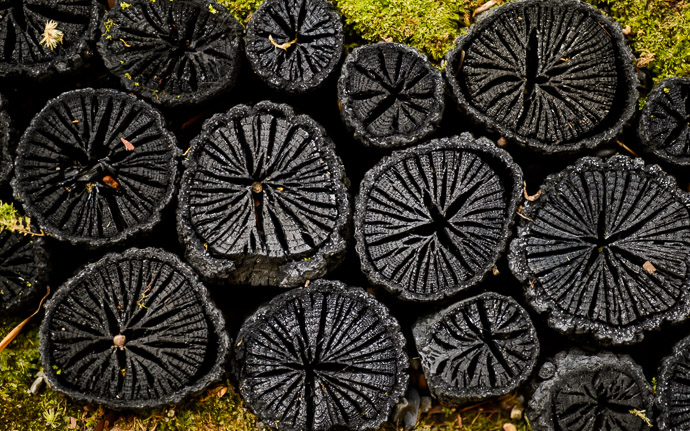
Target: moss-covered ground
[{"x": 219, "y": 408}]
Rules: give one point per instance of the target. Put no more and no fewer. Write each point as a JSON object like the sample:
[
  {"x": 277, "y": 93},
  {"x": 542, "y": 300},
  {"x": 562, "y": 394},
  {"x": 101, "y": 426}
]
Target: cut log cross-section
[
  {"x": 96, "y": 167},
  {"x": 38, "y": 37},
  {"x": 605, "y": 392},
  {"x": 321, "y": 357},
  {"x": 23, "y": 268},
  {"x": 552, "y": 75},
  {"x": 134, "y": 330},
  {"x": 294, "y": 45},
  {"x": 172, "y": 52},
  {"x": 481, "y": 347},
  {"x": 390, "y": 95},
  {"x": 432, "y": 220},
  {"x": 664, "y": 126},
  {"x": 606, "y": 248},
  {"x": 673, "y": 389},
  {"x": 263, "y": 201}
]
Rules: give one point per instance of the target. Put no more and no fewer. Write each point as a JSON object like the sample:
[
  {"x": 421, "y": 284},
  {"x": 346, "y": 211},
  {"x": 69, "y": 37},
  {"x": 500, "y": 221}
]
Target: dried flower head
[{"x": 51, "y": 35}]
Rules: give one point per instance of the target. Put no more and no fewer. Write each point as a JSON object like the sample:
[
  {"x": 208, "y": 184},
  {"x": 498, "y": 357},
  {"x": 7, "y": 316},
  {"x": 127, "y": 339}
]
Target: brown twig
[
  {"x": 17, "y": 329},
  {"x": 283, "y": 46}
]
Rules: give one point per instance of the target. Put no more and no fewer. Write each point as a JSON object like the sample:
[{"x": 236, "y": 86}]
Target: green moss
[
  {"x": 241, "y": 9},
  {"x": 659, "y": 31},
  {"x": 429, "y": 25}
]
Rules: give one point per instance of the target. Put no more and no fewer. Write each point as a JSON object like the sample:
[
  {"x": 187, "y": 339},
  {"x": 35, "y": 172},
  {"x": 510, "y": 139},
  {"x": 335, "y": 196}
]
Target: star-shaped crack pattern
[{"x": 390, "y": 93}]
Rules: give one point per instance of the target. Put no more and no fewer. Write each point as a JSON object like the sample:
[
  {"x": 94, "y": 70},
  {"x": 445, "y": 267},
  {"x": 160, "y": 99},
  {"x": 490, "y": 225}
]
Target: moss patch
[{"x": 659, "y": 33}]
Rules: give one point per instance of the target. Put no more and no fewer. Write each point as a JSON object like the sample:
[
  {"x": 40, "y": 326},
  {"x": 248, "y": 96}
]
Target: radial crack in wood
[
  {"x": 587, "y": 250},
  {"x": 431, "y": 221},
  {"x": 76, "y": 179},
  {"x": 265, "y": 192},
  {"x": 133, "y": 330},
  {"x": 321, "y": 357},
  {"x": 552, "y": 75},
  {"x": 172, "y": 52}
]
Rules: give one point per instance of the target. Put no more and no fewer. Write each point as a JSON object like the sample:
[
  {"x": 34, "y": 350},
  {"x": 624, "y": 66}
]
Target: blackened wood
[
  {"x": 263, "y": 200},
  {"x": 23, "y": 269},
  {"x": 430, "y": 221},
  {"x": 172, "y": 52},
  {"x": 320, "y": 357},
  {"x": 96, "y": 167},
  {"x": 578, "y": 392},
  {"x": 481, "y": 347},
  {"x": 673, "y": 389},
  {"x": 294, "y": 45},
  {"x": 605, "y": 249},
  {"x": 551, "y": 75},
  {"x": 664, "y": 126},
  {"x": 390, "y": 95},
  {"x": 133, "y": 330},
  {"x": 5, "y": 136},
  {"x": 22, "y": 28}
]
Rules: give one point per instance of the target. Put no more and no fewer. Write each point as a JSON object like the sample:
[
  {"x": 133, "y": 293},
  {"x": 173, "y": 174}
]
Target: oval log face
[
  {"x": 603, "y": 392},
  {"x": 264, "y": 196},
  {"x": 554, "y": 76},
  {"x": 172, "y": 52},
  {"x": 432, "y": 220},
  {"x": 320, "y": 357},
  {"x": 96, "y": 167},
  {"x": 39, "y": 37},
  {"x": 135, "y": 330},
  {"x": 605, "y": 249},
  {"x": 478, "y": 348},
  {"x": 664, "y": 126}
]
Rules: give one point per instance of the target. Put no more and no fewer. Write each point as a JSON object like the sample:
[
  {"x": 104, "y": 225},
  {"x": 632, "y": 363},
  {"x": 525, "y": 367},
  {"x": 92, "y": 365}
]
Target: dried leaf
[{"x": 128, "y": 145}]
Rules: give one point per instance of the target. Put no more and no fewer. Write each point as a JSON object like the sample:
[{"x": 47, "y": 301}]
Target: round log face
[
  {"x": 263, "y": 196},
  {"x": 605, "y": 249},
  {"x": 390, "y": 95},
  {"x": 481, "y": 347},
  {"x": 673, "y": 389},
  {"x": 172, "y": 52},
  {"x": 320, "y": 357},
  {"x": 432, "y": 220},
  {"x": 294, "y": 45},
  {"x": 664, "y": 126},
  {"x": 554, "y": 76},
  {"x": 591, "y": 393},
  {"x": 23, "y": 269},
  {"x": 135, "y": 330},
  {"x": 39, "y": 37},
  {"x": 96, "y": 167}
]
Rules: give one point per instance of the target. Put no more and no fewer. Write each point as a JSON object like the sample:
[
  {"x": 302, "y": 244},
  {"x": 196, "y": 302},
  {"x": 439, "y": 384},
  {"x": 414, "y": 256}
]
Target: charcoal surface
[
  {"x": 430, "y": 221},
  {"x": 172, "y": 52},
  {"x": 390, "y": 95},
  {"x": 578, "y": 392},
  {"x": 96, "y": 167},
  {"x": 481, "y": 347},
  {"x": 664, "y": 126},
  {"x": 23, "y": 269},
  {"x": 24, "y": 24},
  {"x": 263, "y": 199},
  {"x": 5, "y": 158},
  {"x": 320, "y": 357},
  {"x": 605, "y": 249},
  {"x": 673, "y": 389},
  {"x": 294, "y": 45},
  {"x": 551, "y": 75},
  {"x": 133, "y": 330}
]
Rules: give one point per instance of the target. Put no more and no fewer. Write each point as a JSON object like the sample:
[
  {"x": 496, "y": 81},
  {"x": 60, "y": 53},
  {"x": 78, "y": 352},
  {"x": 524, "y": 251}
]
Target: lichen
[{"x": 241, "y": 9}]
